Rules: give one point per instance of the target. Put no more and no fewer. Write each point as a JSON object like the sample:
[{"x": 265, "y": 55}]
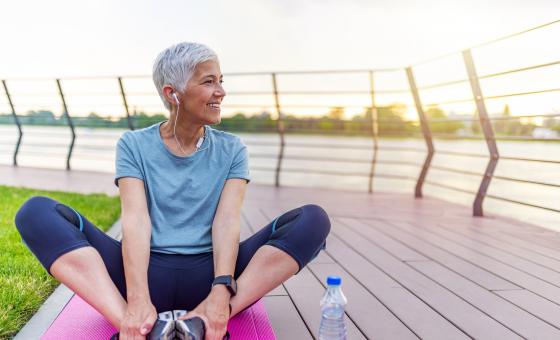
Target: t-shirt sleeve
[
  {"x": 126, "y": 165},
  {"x": 240, "y": 165}
]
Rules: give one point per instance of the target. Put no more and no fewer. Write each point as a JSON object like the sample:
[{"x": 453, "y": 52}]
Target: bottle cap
[{"x": 334, "y": 280}]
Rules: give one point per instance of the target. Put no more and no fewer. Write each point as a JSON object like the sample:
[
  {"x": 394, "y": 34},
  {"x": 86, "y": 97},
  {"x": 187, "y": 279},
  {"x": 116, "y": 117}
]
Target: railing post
[
  {"x": 280, "y": 130},
  {"x": 16, "y": 119},
  {"x": 425, "y": 131},
  {"x": 374, "y": 131},
  {"x": 129, "y": 119},
  {"x": 70, "y": 124},
  {"x": 486, "y": 129}
]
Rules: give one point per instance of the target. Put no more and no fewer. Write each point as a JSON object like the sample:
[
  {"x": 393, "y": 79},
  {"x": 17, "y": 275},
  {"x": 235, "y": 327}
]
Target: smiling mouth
[{"x": 214, "y": 105}]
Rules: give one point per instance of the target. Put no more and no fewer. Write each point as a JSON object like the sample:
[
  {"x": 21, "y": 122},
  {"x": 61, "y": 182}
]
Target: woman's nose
[{"x": 220, "y": 92}]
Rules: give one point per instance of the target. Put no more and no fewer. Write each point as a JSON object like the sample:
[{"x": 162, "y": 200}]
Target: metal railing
[
  {"x": 370, "y": 127},
  {"x": 486, "y": 123}
]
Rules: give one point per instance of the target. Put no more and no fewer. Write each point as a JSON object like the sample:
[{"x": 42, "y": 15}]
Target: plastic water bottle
[{"x": 332, "y": 310}]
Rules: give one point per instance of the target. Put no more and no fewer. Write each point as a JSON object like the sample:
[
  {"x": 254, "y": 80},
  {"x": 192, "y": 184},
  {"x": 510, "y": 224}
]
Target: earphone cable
[
  {"x": 174, "y": 129},
  {"x": 177, "y": 140}
]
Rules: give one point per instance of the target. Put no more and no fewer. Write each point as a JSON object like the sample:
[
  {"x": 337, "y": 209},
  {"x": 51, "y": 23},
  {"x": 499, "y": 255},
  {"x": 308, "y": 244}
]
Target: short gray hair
[{"x": 176, "y": 64}]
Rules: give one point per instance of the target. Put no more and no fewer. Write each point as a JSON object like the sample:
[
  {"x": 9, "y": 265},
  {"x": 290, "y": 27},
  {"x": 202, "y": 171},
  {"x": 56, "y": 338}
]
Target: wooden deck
[
  {"x": 416, "y": 269},
  {"x": 411, "y": 268}
]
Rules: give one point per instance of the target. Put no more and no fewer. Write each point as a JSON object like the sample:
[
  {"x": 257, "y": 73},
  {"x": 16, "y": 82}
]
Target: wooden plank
[
  {"x": 496, "y": 242},
  {"x": 323, "y": 257},
  {"x": 531, "y": 245},
  {"x": 534, "y": 304},
  {"x": 507, "y": 272},
  {"x": 525, "y": 248},
  {"x": 517, "y": 232},
  {"x": 465, "y": 316},
  {"x": 510, "y": 258},
  {"x": 284, "y": 318},
  {"x": 306, "y": 293},
  {"x": 546, "y": 238},
  {"x": 280, "y": 290},
  {"x": 371, "y": 316},
  {"x": 371, "y": 228},
  {"x": 412, "y": 311},
  {"x": 399, "y": 250},
  {"x": 514, "y": 318}
]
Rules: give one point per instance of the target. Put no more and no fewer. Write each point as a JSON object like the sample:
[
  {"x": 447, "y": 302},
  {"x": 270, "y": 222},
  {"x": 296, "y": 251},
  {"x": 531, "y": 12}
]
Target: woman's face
[{"x": 204, "y": 94}]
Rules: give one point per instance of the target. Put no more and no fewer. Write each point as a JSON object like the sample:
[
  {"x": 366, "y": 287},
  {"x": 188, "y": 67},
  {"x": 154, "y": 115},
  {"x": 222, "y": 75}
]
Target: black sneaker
[
  {"x": 190, "y": 329},
  {"x": 164, "y": 328}
]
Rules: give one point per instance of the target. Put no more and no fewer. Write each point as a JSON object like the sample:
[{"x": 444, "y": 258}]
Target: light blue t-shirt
[{"x": 182, "y": 192}]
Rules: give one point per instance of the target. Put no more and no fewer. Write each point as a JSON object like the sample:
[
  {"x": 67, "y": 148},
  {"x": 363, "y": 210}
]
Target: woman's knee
[
  {"x": 31, "y": 212},
  {"x": 318, "y": 219}
]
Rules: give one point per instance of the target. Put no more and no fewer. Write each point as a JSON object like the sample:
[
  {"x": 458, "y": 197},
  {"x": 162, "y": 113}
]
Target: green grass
[{"x": 24, "y": 283}]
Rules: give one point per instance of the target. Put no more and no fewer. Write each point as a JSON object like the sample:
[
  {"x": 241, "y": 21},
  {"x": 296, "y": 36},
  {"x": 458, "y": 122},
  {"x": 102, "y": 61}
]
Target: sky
[{"x": 62, "y": 38}]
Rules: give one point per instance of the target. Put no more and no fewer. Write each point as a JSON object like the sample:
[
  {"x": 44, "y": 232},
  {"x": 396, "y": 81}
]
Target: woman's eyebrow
[{"x": 212, "y": 76}]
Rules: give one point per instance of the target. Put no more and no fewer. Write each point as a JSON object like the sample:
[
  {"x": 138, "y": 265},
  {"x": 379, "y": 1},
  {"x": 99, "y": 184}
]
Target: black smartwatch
[{"x": 228, "y": 281}]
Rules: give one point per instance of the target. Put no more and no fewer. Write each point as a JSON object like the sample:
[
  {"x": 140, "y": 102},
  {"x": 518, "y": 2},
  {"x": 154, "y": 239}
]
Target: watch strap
[{"x": 226, "y": 280}]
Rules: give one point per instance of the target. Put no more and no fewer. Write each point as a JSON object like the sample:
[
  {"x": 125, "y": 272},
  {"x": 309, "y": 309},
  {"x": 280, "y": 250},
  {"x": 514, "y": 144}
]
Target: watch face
[{"x": 228, "y": 281}]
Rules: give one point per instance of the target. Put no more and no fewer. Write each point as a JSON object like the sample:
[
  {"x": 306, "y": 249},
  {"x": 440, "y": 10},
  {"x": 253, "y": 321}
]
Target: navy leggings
[{"x": 50, "y": 229}]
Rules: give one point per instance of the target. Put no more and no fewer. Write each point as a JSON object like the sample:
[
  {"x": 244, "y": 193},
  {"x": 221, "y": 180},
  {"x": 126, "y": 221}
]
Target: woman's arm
[
  {"x": 136, "y": 230},
  {"x": 136, "y": 234},
  {"x": 226, "y": 226},
  {"x": 225, "y": 241}
]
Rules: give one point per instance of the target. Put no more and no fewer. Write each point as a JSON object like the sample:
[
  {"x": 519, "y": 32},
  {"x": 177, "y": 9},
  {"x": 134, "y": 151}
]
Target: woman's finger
[{"x": 147, "y": 326}]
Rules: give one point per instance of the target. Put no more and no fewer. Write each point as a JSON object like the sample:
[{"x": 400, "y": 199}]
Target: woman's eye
[{"x": 212, "y": 81}]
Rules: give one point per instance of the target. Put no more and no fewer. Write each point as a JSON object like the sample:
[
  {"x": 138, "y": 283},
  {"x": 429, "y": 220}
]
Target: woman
[{"x": 182, "y": 186}]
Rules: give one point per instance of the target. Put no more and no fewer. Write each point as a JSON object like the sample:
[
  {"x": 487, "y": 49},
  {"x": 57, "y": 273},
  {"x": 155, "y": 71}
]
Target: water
[
  {"x": 95, "y": 150},
  {"x": 332, "y": 311}
]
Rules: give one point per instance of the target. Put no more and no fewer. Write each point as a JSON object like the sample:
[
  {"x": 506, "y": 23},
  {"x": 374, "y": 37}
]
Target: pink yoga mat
[{"x": 79, "y": 321}]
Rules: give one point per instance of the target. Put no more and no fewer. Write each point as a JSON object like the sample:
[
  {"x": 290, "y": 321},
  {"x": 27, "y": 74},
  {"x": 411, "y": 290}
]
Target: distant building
[{"x": 544, "y": 133}]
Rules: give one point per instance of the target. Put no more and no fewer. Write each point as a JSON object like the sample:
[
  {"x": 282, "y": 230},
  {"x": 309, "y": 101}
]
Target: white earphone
[{"x": 176, "y": 99}]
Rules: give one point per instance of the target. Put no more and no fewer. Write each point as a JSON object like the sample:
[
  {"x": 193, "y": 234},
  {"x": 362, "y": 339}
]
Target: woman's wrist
[{"x": 136, "y": 297}]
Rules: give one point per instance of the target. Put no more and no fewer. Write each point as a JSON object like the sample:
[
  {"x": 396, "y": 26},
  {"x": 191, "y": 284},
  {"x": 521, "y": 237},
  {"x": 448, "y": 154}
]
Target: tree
[
  {"x": 336, "y": 112},
  {"x": 42, "y": 117},
  {"x": 391, "y": 119},
  {"x": 441, "y": 125},
  {"x": 93, "y": 119}
]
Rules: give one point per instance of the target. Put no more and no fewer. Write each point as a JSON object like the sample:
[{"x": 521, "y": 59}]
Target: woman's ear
[{"x": 170, "y": 94}]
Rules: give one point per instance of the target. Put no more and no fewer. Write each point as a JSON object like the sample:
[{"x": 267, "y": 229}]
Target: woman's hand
[
  {"x": 139, "y": 320},
  {"x": 214, "y": 311}
]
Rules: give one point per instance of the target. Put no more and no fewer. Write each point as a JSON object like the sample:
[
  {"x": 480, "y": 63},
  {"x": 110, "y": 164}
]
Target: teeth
[{"x": 216, "y": 106}]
